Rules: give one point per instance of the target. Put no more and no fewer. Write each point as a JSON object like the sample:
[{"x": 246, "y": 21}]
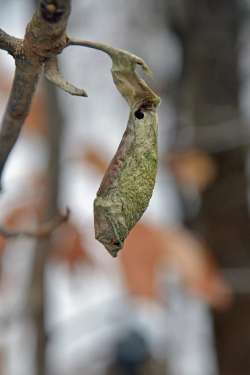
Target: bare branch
[
  {"x": 9, "y": 43},
  {"x": 53, "y": 74},
  {"x": 23, "y": 88},
  {"x": 44, "y": 38},
  {"x": 44, "y": 230}
]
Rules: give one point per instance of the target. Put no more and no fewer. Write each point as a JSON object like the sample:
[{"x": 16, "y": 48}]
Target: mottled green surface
[
  {"x": 120, "y": 205},
  {"x": 128, "y": 184}
]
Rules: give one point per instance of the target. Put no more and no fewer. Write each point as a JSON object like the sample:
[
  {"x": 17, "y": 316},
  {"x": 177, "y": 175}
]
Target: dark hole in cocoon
[{"x": 139, "y": 114}]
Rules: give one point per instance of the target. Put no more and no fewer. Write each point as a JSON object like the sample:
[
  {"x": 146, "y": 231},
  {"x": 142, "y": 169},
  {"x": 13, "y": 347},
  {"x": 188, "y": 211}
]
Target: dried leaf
[
  {"x": 68, "y": 246},
  {"x": 19, "y": 214},
  {"x": 94, "y": 160},
  {"x": 194, "y": 262},
  {"x": 36, "y": 120},
  {"x": 194, "y": 168},
  {"x": 149, "y": 249},
  {"x": 143, "y": 254}
]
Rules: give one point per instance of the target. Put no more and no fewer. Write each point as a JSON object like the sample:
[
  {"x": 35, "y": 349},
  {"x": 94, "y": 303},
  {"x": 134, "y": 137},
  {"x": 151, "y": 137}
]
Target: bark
[
  {"x": 44, "y": 38},
  {"x": 208, "y": 31},
  {"x": 7, "y": 42},
  {"x": 39, "y": 282}
]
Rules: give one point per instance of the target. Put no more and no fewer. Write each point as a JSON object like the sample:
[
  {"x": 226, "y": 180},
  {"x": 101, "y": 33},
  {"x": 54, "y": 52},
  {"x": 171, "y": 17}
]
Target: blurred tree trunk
[
  {"x": 208, "y": 97},
  {"x": 39, "y": 282}
]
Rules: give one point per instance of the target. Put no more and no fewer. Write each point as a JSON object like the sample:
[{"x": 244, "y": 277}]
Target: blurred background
[{"x": 176, "y": 301}]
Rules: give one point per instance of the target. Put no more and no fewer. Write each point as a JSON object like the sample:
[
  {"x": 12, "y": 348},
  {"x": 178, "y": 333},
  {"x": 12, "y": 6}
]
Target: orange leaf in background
[
  {"x": 94, "y": 159},
  {"x": 2, "y": 252},
  {"x": 196, "y": 266},
  {"x": 67, "y": 242},
  {"x": 2, "y": 245},
  {"x": 90, "y": 157},
  {"x": 194, "y": 168},
  {"x": 37, "y": 119},
  {"x": 17, "y": 215},
  {"x": 142, "y": 253},
  {"x": 68, "y": 246},
  {"x": 27, "y": 207},
  {"x": 177, "y": 250},
  {"x": 5, "y": 82},
  {"x": 29, "y": 202}
]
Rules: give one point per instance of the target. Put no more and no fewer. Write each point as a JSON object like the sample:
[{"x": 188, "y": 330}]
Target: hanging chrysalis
[{"x": 128, "y": 183}]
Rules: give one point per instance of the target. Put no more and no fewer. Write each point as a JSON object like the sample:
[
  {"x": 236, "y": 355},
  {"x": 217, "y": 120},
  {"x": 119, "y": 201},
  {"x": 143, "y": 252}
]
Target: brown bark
[
  {"x": 209, "y": 32},
  {"x": 7, "y": 42},
  {"x": 39, "y": 281},
  {"x": 44, "y": 38}
]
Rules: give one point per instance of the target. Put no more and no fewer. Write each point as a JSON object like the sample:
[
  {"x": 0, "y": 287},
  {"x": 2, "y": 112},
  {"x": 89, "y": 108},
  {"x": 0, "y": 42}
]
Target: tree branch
[
  {"x": 22, "y": 91},
  {"x": 8, "y": 43},
  {"x": 40, "y": 281},
  {"x": 53, "y": 74},
  {"x": 43, "y": 231},
  {"x": 44, "y": 38}
]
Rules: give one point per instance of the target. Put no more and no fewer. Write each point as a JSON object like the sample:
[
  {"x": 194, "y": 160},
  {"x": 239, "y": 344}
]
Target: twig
[
  {"x": 8, "y": 43},
  {"x": 44, "y": 230},
  {"x": 53, "y": 74}
]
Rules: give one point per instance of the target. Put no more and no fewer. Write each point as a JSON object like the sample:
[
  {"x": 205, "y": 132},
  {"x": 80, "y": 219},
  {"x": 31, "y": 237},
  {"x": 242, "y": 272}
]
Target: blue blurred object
[{"x": 131, "y": 353}]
